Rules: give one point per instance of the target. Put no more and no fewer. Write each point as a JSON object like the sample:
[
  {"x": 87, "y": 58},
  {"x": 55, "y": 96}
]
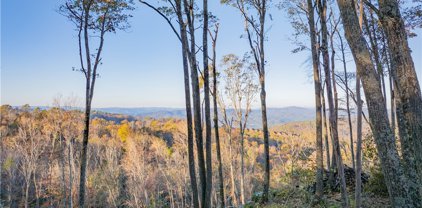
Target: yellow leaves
[
  {"x": 155, "y": 125},
  {"x": 123, "y": 132},
  {"x": 170, "y": 126},
  {"x": 8, "y": 163}
]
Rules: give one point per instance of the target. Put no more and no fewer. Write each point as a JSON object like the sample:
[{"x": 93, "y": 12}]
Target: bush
[{"x": 376, "y": 183}]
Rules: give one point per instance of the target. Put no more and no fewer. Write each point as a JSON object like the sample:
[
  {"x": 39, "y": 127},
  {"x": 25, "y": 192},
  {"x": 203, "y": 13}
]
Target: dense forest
[{"x": 362, "y": 149}]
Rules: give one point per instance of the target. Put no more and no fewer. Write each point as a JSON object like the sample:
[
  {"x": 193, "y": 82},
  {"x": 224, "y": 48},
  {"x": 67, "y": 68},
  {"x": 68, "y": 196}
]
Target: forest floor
[{"x": 300, "y": 198}]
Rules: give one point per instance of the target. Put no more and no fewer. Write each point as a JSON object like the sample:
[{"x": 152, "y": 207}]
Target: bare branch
[{"x": 164, "y": 16}]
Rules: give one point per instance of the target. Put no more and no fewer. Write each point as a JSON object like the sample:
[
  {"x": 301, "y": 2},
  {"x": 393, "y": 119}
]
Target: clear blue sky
[{"x": 142, "y": 66}]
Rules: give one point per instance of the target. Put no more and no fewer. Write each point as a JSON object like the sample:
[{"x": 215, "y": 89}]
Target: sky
[{"x": 142, "y": 66}]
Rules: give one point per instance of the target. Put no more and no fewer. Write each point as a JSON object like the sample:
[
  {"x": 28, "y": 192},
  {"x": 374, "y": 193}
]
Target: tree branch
[{"x": 164, "y": 16}]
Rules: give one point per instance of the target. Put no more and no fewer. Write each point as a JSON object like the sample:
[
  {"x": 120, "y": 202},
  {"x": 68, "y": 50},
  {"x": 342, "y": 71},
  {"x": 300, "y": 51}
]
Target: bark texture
[
  {"x": 384, "y": 139},
  {"x": 358, "y": 170},
  {"x": 408, "y": 94}
]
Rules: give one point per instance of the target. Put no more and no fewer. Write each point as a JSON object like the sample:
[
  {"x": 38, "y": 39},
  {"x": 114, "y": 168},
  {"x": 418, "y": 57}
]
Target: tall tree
[
  {"x": 358, "y": 170},
  {"x": 215, "y": 118},
  {"x": 177, "y": 7},
  {"x": 240, "y": 89},
  {"x": 190, "y": 22},
  {"x": 99, "y": 17},
  {"x": 385, "y": 141},
  {"x": 208, "y": 150},
  {"x": 318, "y": 106},
  {"x": 322, "y": 9},
  {"x": 255, "y": 31},
  {"x": 408, "y": 93}
]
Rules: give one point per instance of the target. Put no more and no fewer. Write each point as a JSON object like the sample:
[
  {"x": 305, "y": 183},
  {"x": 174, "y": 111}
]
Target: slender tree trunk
[
  {"x": 208, "y": 144},
  {"x": 373, "y": 40},
  {"x": 408, "y": 93},
  {"x": 376, "y": 54},
  {"x": 385, "y": 141},
  {"x": 266, "y": 139},
  {"x": 392, "y": 92},
  {"x": 242, "y": 166},
  {"x": 333, "y": 75},
  {"x": 91, "y": 75},
  {"x": 263, "y": 96},
  {"x": 70, "y": 158},
  {"x": 234, "y": 197},
  {"x": 333, "y": 120},
  {"x": 36, "y": 189},
  {"x": 27, "y": 194},
  {"x": 258, "y": 51},
  {"x": 83, "y": 158},
  {"x": 122, "y": 197},
  {"x": 327, "y": 145},
  {"x": 62, "y": 169},
  {"x": 349, "y": 117},
  {"x": 318, "y": 120},
  {"x": 196, "y": 103},
  {"x": 358, "y": 170},
  {"x": 217, "y": 135},
  {"x": 82, "y": 178},
  {"x": 191, "y": 157}
]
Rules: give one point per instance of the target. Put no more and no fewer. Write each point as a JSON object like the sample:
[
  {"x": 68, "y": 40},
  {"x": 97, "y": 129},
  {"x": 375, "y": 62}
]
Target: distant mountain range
[{"x": 275, "y": 115}]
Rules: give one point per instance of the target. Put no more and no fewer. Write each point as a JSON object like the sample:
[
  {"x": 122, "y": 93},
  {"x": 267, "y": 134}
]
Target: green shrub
[{"x": 376, "y": 183}]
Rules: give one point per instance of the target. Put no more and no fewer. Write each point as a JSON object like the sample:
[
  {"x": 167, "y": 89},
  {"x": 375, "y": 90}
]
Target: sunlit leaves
[{"x": 123, "y": 132}]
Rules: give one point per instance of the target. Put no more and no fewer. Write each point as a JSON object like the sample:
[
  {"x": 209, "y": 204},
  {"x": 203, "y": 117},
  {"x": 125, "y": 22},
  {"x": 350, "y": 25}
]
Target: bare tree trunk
[
  {"x": 217, "y": 135},
  {"x": 258, "y": 51},
  {"x": 91, "y": 75},
  {"x": 322, "y": 7},
  {"x": 262, "y": 12},
  {"x": 385, "y": 141},
  {"x": 370, "y": 29},
  {"x": 318, "y": 120},
  {"x": 242, "y": 166},
  {"x": 70, "y": 158},
  {"x": 62, "y": 168},
  {"x": 234, "y": 197},
  {"x": 333, "y": 74},
  {"x": 327, "y": 145},
  {"x": 408, "y": 93},
  {"x": 27, "y": 194},
  {"x": 185, "y": 52},
  {"x": 208, "y": 144},
  {"x": 392, "y": 91},
  {"x": 358, "y": 170},
  {"x": 122, "y": 178},
  {"x": 37, "y": 194},
  {"x": 349, "y": 117},
  {"x": 83, "y": 157},
  {"x": 196, "y": 102}
]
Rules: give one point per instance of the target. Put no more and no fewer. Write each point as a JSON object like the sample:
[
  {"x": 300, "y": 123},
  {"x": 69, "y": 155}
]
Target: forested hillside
[
  {"x": 143, "y": 162},
  {"x": 228, "y": 144}
]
